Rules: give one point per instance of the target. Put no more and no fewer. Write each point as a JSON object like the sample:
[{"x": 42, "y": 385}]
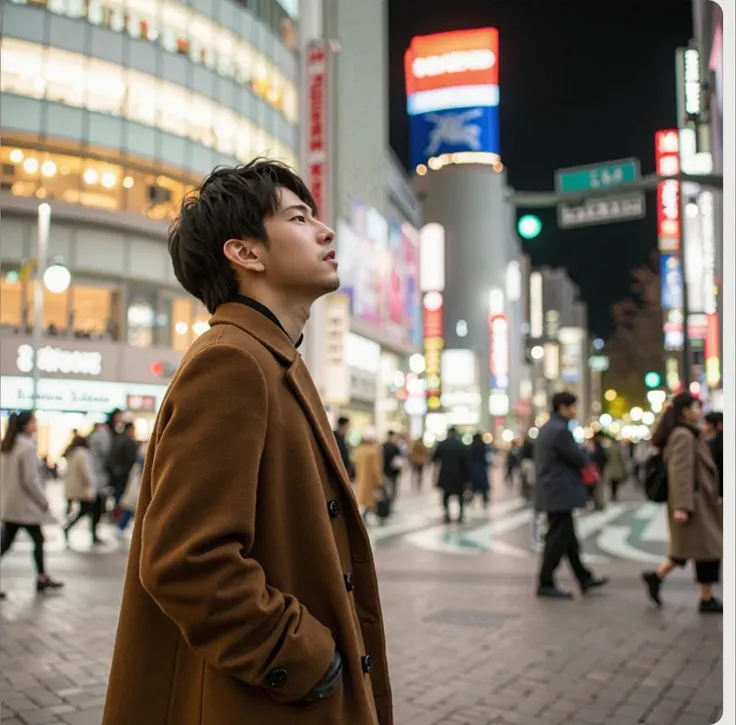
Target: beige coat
[
  {"x": 249, "y": 561},
  {"x": 22, "y": 495},
  {"x": 368, "y": 463},
  {"x": 80, "y": 479},
  {"x": 688, "y": 460}
]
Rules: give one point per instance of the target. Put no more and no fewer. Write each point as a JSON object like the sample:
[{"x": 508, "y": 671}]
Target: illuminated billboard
[{"x": 452, "y": 98}]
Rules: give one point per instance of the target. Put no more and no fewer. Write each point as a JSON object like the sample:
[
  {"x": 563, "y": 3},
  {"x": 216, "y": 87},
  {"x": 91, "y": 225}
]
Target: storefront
[{"x": 81, "y": 383}]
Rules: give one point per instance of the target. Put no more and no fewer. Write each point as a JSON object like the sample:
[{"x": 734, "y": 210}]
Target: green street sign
[{"x": 597, "y": 176}]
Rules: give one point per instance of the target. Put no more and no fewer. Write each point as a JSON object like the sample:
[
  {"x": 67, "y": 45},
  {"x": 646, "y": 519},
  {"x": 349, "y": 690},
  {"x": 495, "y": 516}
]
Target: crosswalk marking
[{"x": 614, "y": 540}]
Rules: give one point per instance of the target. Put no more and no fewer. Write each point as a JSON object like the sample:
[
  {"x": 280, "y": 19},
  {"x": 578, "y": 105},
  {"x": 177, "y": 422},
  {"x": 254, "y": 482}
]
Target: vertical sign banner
[
  {"x": 670, "y": 274},
  {"x": 316, "y": 129},
  {"x": 337, "y": 327},
  {"x": 499, "y": 367},
  {"x": 667, "y": 146},
  {"x": 433, "y": 347},
  {"x": 452, "y": 97}
]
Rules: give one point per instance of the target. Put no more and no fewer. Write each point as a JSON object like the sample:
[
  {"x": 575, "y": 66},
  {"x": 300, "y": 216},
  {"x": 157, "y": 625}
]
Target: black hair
[
  {"x": 16, "y": 425},
  {"x": 672, "y": 418},
  {"x": 714, "y": 418},
  {"x": 128, "y": 426},
  {"x": 563, "y": 399},
  {"x": 451, "y": 431},
  {"x": 478, "y": 440},
  {"x": 111, "y": 415},
  {"x": 231, "y": 203},
  {"x": 342, "y": 420}
]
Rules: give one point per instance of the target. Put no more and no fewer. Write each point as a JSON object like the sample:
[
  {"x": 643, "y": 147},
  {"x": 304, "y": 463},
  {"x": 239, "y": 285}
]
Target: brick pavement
[{"x": 468, "y": 643}]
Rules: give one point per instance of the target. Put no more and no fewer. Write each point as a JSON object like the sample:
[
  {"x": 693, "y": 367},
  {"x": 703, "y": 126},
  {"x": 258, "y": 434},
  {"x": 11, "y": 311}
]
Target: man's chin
[{"x": 331, "y": 285}]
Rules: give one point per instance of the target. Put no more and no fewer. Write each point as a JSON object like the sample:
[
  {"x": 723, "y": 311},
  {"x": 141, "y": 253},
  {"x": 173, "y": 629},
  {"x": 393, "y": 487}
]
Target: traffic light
[
  {"x": 652, "y": 379},
  {"x": 529, "y": 226}
]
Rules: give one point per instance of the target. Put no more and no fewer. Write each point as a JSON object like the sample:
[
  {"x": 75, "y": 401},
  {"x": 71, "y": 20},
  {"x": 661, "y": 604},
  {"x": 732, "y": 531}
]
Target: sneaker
[
  {"x": 654, "y": 585},
  {"x": 711, "y": 606},
  {"x": 553, "y": 593},
  {"x": 594, "y": 583},
  {"x": 48, "y": 583}
]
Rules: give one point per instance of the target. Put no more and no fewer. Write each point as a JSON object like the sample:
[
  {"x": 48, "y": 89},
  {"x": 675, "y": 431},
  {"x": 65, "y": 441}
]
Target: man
[
  {"x": 392, "y": 463},
  {"x": 452, "y": 456},
  {"x": 341, "y": 433},
  {"x": 559, "y": 491},
  {"x": 101, "y": 442},
  {"x": 251, "y": 594},
  {"x": 122, "y": 459},
  {"x": 714, "y": 433}
]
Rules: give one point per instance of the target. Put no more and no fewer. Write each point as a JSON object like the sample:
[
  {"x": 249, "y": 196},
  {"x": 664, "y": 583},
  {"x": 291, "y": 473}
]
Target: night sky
[{"x": 582, "y": 81}]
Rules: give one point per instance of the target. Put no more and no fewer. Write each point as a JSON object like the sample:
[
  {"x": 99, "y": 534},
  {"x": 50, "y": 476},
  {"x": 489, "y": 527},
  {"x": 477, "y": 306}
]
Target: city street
[{"x": 469, "y": 642}]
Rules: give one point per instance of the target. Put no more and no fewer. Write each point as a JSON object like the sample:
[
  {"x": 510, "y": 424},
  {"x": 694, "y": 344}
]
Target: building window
[
  {"x": 141, "y": 320},
  {"x": 181, "y": 324},
  {"x": 92, "y": 311},
  {"x": 11, "y": 300}
]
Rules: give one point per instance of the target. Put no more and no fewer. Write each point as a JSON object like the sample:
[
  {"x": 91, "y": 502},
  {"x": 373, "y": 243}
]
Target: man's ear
[{"x": 246, "y": 254}]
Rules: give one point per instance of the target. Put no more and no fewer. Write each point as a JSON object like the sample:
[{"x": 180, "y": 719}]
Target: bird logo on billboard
[{"x": 453, "y": 129}]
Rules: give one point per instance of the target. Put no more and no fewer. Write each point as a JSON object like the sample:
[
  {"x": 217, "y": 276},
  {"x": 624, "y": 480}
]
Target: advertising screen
[
  {"x": 671, "y": 280},
  {"x": 453, "y": 94}
]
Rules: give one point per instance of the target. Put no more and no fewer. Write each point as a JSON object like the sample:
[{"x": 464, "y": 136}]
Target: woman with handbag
[
  {"x": 23, "y": 502},
  {"x": 694, "y": 513}
]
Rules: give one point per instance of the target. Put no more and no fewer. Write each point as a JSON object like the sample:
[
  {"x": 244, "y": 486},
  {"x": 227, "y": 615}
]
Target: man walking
[
  {"x": 559, "y": 491},
  {"x": 251, "y": 594},
  {"x": 341, "y": 434},
  {"x": 452, "y": 456}
]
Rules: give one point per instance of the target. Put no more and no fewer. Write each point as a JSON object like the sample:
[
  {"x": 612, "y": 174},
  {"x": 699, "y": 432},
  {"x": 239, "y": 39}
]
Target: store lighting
[
  {"x": 417, "y": 364},
  {"x": 537, "y": 352},
  {"x": 647, "y": 418},
  {"x": 605, "y": 420},
  {"x": 636, "y": 413},
  {"x": 108, "y": 180},
  {"x": 128, "y": 182},
  {"x": 200, "y": 327},
  {"x": 57, "y": 278},
  {"x": 30, "y": 165},
  {"x": 16, "y": 156},
  {"x": 181, "y": 328},
  {"x": 90, "y": 176},
  {"x": 48, "y": 168},
  {"x": 610, "y": 395},
  {"x": 461, "y": 329},
  {"x": 421, "y": 170}
]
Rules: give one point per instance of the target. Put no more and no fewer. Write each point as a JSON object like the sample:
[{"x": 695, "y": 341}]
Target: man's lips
[{"x": 331, "y": 256}]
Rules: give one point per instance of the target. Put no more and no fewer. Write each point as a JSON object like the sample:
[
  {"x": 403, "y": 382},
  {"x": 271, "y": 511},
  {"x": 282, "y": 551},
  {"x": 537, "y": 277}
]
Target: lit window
[
  {"x": 105, "y": 87},
  {"x": 226, "y": 129},
  {"x": 175, "y": 20},
  {"x": 22, "y": 71},
  {"x": 141, "y": 99},
  {"x": 64, "y": 73},
  {"x": 200, "y": 120},
  {"x": 172, "y": 102}
]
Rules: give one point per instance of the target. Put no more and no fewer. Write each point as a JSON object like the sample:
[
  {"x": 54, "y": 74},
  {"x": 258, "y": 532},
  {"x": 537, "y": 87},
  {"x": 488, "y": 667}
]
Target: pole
[{"x": 44, "y": 221}]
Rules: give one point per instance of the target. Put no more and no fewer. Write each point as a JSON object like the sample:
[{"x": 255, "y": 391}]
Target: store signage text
[
  {"x": 459, "y": 61},
  {"x": 57, "y": 361},
  {"x": 433, "y": 347},
  {"x": 668, "y": 192},
  {"x": 317, "y": 171},
  {"x": 499, "y": 327},
  {"x": 337, "y": 328}
]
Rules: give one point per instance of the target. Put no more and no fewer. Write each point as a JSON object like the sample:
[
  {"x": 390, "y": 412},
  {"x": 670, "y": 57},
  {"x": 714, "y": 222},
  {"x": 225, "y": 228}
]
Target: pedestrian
[
  {"x": 694, "y": 514},
  {"x": 451, "y": 455},
  {"x": 251, "y": 593},
  {"x": 122, "y": 458},
  {"x": 614, "y": 470},
  {"x": 368, "y": 461},
  {"x": 714, "y": 436},
  {"x": 559, "y": 490},
  {"x": 79, "y": 485},
  {"x": 393, "y": 462},
  {"x": 23, "y": 502},
  {"x": 479, "y": 460},
  {"x": 341, "y": 433},
  {"x": 129, "y": 499},
  {"x": 599, "y": 457},
  {"x": 418, "y": 456}
]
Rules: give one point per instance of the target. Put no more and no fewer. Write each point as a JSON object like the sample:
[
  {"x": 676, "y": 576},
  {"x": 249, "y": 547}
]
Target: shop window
[
  {"x": 11, "y": 301},
  {"x": 141, "y": 321},
  {"x": 181, "y": 324},
  {"x": 92, "y": 311}
]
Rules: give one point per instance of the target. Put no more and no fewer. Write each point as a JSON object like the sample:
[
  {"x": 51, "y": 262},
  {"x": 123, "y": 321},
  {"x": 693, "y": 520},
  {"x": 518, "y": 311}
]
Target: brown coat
[
  {"x": 368, "y": 462},
  {"x": 249, "y": 562},
  {"x": 688, "y": 460},
  {"x": 419, "y": 454}
]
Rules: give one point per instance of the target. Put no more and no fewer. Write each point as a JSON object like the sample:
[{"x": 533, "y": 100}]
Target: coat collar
[{"x": 260, "y": 326}]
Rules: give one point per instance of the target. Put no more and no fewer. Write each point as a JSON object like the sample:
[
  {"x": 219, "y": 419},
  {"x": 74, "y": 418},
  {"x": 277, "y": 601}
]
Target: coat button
[
  {"x": 333, "y": 508},
  {"x": 277, "y": 677},
  {"x": 367, "y": 663},
  {"x": 349, "y": 583}
]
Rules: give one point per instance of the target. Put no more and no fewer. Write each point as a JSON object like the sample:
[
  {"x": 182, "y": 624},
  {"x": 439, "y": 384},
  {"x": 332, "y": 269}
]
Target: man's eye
[{"x": 300, "y": 218}]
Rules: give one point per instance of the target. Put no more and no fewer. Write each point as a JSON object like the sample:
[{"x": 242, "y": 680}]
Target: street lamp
[{"x": 57, "y": 278}]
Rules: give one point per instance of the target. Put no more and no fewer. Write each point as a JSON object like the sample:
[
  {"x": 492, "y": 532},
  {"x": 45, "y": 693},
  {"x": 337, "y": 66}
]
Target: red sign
[
  {"x": 713, "y": 351},
  {"x": 317, "y": 146},
  {"x": 499, "y": 364},
  {"x": 449, "y": 60},
  {"x": 669, "y": 223},
  {"x": 433, "y": 347}
]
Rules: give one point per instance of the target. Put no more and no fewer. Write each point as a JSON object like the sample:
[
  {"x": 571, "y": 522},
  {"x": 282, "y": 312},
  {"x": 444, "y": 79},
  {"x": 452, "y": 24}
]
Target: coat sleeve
[
  {"x": 199, "y": 527},
  {"x": 681, "y": 470},
  {"x": 30, "y": 477},
  {"x": 566, "y": 448}
]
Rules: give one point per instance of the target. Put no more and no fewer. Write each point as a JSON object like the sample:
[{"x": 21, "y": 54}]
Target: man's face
[
  {"x": 300, "y": 257},
  {"x": 569, "y": 411}
]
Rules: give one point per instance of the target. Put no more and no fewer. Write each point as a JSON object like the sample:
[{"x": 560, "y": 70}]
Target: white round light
[
  {"x": 417, "y": 364},
  {"x": 605, "y": 420},
  {"x": 537, "y": 352},
  {"x": 57, "y": 278},
  {"x": 432, "y": 301},
  {"x": 181, "y": 328},
  {"x": 461, "y": 328},
  {"x": 648, "y": 418},
  {"x": 636, "y": 413}
]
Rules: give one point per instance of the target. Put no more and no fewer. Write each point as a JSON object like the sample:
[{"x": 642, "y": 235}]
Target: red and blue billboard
[{"x": 452, "y": 94}]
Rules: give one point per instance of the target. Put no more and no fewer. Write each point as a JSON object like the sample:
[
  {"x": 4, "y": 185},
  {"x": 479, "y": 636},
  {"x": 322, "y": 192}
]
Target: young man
[
  {"x": 559, "y": 491},
  {"x": 714, "y": 436},
  {"x": 251, "y": 594},
  {"x": 341, "y": 434}
]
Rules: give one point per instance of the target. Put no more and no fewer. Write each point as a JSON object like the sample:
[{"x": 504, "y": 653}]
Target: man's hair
[
  {"x": 563, "y": 399},
  {"x": 231, "y": 203},
  {"x": 714, "y": 418},
  {"x": 342, "y": 420}
]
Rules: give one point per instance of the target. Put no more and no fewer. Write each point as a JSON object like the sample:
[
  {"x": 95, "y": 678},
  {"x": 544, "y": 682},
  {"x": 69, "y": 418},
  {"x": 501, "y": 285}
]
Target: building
[
  {"x": 111, "y": 111},
  {"x": 360, "y": 340},
  {"x": 558, "y": 341}
]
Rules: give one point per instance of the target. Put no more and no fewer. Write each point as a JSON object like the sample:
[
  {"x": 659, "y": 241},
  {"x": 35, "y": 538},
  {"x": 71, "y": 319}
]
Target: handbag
[{"x": 590, "y": 474}]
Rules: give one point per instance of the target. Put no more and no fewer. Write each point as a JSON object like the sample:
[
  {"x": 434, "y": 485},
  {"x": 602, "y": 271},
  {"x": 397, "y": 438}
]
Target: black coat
[
  {"x": 716, "y": 450},
  {"x": 342, "y": 446},
  {"x": 452, "y": 457},
  {"x": 478, "y": 456},
  {"x": 558, "y": 461}
]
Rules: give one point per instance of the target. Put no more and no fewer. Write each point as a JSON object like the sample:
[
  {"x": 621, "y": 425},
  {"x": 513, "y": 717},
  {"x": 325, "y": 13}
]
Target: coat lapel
[{"x": 301, "y": 381}]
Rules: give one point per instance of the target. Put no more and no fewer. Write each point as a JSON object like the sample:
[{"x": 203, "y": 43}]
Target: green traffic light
[
  {"x": 652, "y": 379},
  {"x": 529, "y": 226}
]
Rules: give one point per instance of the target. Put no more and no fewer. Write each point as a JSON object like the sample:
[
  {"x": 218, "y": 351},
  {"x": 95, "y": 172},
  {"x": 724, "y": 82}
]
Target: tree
[{"x": 637, "y": 343}]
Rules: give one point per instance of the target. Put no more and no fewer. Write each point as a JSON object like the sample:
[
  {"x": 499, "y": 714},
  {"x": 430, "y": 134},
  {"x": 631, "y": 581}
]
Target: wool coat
[
  {"x": 692, "y": 478},
  {"x": 249, "y": 562},
  {"x": 22, "y": 495},
  {"x": 368, "y": 462}
]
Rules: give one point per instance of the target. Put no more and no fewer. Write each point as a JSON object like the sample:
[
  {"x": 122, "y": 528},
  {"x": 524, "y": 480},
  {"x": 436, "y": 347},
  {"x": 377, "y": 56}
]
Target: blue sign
[
  {"x": 670, "y": 273},
  {"x": 453, "y": 130}
]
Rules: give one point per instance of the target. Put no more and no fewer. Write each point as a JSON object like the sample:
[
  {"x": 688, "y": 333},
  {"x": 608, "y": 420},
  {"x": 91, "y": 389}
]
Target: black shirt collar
[{"x": 258, "y": 307}]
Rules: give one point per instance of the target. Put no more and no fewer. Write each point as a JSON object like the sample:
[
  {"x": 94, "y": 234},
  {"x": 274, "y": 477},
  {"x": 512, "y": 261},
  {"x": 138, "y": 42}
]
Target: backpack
[{"x": 656, "y": 486}]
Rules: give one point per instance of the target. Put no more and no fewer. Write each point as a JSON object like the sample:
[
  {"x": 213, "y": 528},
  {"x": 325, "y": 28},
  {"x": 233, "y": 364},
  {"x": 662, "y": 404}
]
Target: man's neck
[{"x": 292, "y": 315}]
